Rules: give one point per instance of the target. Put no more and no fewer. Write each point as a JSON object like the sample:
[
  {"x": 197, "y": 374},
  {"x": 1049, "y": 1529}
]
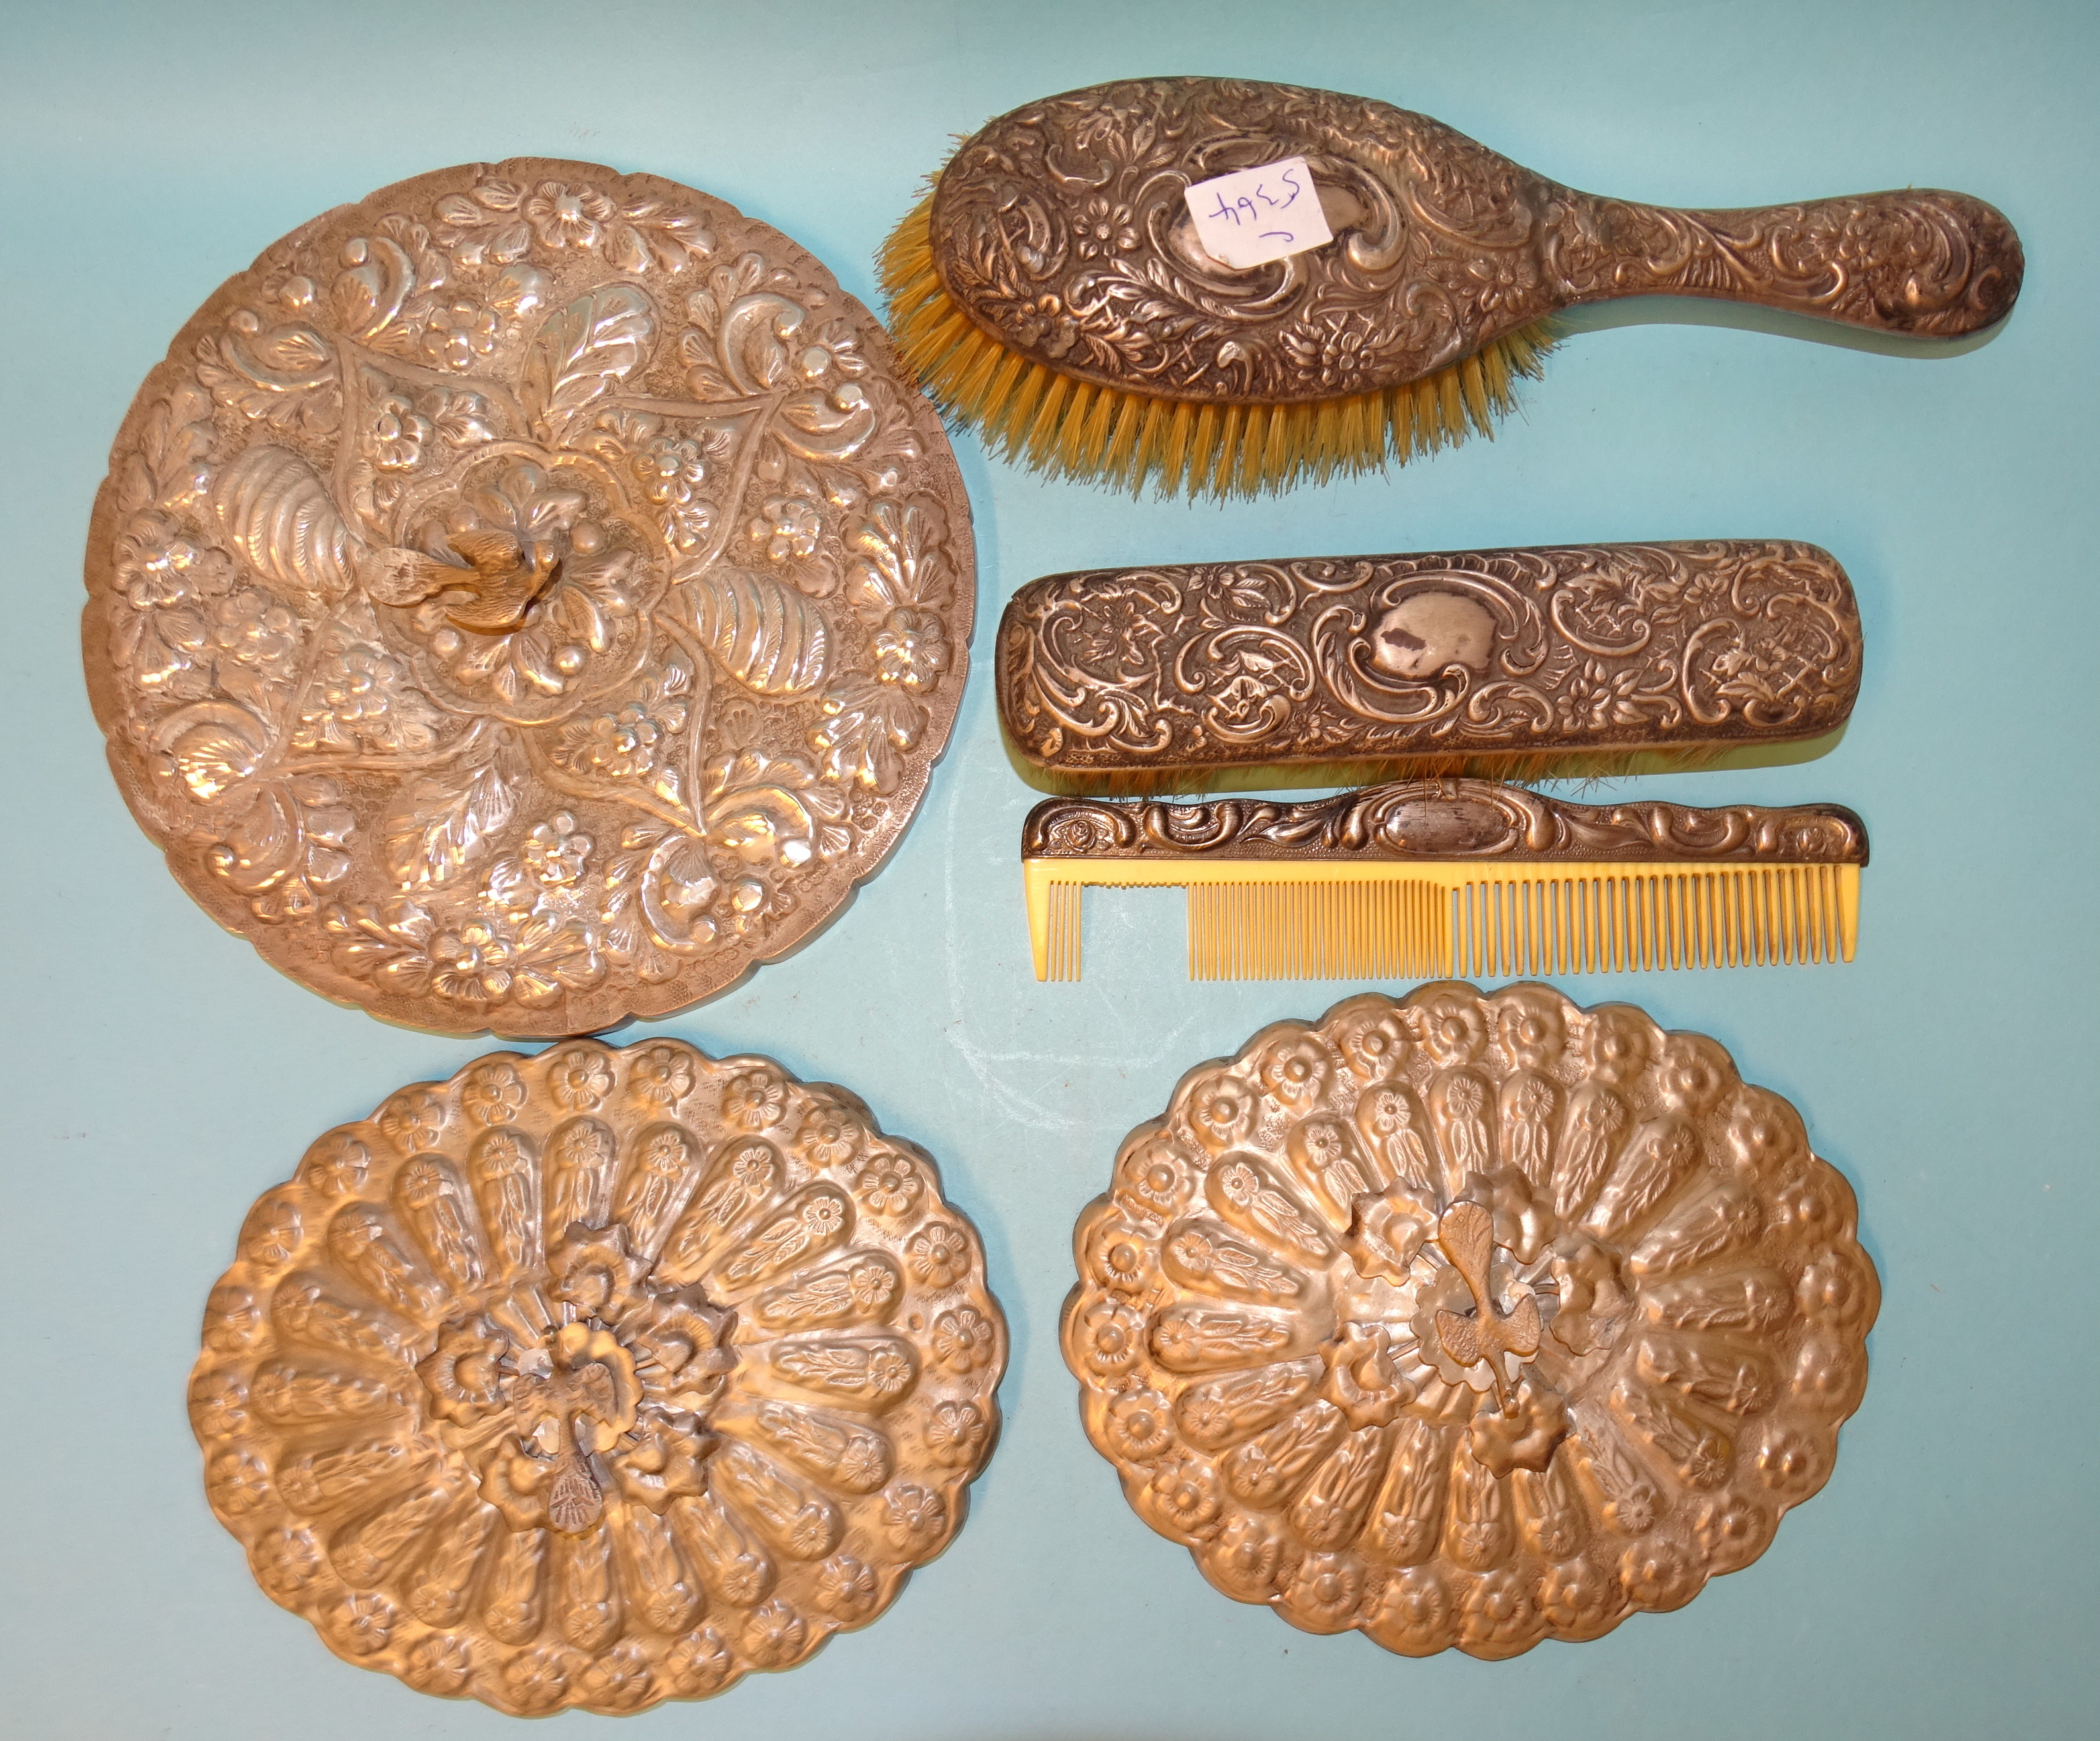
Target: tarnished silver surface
[
  {"x": 1061, "y": 230},
  {"x": 1437, "y": 661},
  {"x": 598, "y": 1378},
  {"x": 1469, "y": 1319},
  {"x": 527, "y": 599}
]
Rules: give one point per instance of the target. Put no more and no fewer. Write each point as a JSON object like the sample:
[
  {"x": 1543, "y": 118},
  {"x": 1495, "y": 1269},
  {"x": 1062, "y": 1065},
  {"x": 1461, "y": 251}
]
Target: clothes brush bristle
[{"x": 1032, "y": 415}]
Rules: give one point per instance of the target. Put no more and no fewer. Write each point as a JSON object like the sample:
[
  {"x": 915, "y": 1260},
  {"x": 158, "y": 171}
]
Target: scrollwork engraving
[{"x": 1446, "y": 659}]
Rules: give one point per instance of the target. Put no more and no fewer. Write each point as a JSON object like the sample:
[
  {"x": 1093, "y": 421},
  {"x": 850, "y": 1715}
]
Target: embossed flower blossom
[
  {"x": 253, "y": 629},
  {"x": 910, "y": 651},
  {"x": 754, "y": 1100},
  {"x": 1112, "y": 1336},
  {"x": 1139, "y": 1429},
  {"x": 361, "y": 693},
  {"x": 336, "y": 1163},
  {"x": 1295, "y": 1071},
  {"x": 700, "y": 1662},
  {"x": 538, "y": 1678},
  {"x": 232, "y": 1318},
  {"x": 787, "y": 525},
  {"x": 1186, "y": 1492},
  {"x": 954, "y": 1433},
  {"x": 1731, "y": 1532},
  {"x": 286, "y": 1561},
  {"x": 939, "y": 1255},
  {"x": 579, "y": 1077},
  {"x": 1496, "y": 1610},
  {"x": 439, "y": 1664},
  {"x": 660, "y": 1073},
  {"x": 1656, "y": 1575},
  {"x": 618, "y": 745},
  {"x": 159, "y": 567},
  {"x": 1325, "y": 1588},
  {"x": 846, "y": 1588},
  {"x": 238, "y": 1482},
  {"x": 1790, "y": 1463},
  {"x": 1104, "y": 228},
  {"x": 1414, "y": 1614},
  {"x": 1341, "y": 350},
  {"x": 556, "y": 850},
  {"x": 889, "y": 1184},
  {"x": 829, "y": 1135},
  {"x": 461, "y": 333},
  {"x": 362, "y": 1622},
  {"x": 963, "y": 1339},
  {"x": 620, "y": 1678},
  {"x": 1120, "y": 1259},
  {"x": 1577, "y": 1596},
  {"x": 669, "y": 469},
  {"x": 395, "y": 433},
  {"x": 566, "y": 217},
  {"x": 219, "y": 1406},
  {"x": 412, "y": 1121},
  {"x": 493, "y": 1095},
  {"x": 1155, "y": 1174},
  {"x": 1453, "y": 1030},
  {"x": 913, "y": 1515},
  {"x": 487, "y": 961},
  {"x": 1221, "y": 1112}
]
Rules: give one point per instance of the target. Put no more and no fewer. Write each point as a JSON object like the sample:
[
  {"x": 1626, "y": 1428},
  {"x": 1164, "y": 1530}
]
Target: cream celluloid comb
[{"x": 1427, "y": 879}]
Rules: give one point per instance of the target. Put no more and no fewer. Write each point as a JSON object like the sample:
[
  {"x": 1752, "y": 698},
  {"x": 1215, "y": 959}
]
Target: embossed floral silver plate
[
  {"x": 528, "y": 598},
  {"x": 598, "y": 1378},
  {"x": 1471, "y": 1319}
]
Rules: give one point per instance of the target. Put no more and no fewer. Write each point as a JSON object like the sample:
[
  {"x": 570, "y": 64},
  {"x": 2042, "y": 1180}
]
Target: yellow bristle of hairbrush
[
  {"x": 1050, "y": 422},
  {"x": 1007, "y": 427},
  {"x": 1338, "y": 919}
]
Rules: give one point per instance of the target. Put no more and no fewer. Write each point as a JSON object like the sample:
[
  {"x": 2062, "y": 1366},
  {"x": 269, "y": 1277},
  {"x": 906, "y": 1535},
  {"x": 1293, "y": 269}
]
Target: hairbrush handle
[{"x": 1920, "y": 262}]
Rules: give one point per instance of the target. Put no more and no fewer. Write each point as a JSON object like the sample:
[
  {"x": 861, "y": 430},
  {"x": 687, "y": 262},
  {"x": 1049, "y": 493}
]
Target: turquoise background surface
[{"x": 160, "y": 1075}]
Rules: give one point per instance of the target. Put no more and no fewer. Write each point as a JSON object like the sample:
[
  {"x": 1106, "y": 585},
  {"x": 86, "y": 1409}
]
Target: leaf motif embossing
[
  {"x": 581, "y": 353},
  {"x": 436, "y": 828}
]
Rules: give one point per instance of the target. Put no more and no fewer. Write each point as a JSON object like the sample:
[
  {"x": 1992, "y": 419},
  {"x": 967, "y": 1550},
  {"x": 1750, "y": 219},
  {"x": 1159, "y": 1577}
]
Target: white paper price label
[{"x": 1251, "y": 217}]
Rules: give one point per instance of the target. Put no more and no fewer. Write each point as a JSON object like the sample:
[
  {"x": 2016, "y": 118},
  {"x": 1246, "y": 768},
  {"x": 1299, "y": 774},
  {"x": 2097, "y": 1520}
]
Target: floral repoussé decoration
[
  {"x": 599, "y": 1378},
  {"x": 1469, "y": 1319},
  {"x": 527, "y": 599}
]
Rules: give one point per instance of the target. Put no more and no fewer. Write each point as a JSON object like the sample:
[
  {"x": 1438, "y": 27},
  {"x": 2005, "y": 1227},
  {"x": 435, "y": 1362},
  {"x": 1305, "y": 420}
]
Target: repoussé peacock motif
[
  {"x": 598, "y": 1378},
  {"x": 1469, "y": 1319}
]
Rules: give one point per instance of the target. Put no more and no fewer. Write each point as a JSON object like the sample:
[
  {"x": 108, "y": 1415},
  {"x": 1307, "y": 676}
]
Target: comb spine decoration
[{"x": 1429, "y": 879}]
